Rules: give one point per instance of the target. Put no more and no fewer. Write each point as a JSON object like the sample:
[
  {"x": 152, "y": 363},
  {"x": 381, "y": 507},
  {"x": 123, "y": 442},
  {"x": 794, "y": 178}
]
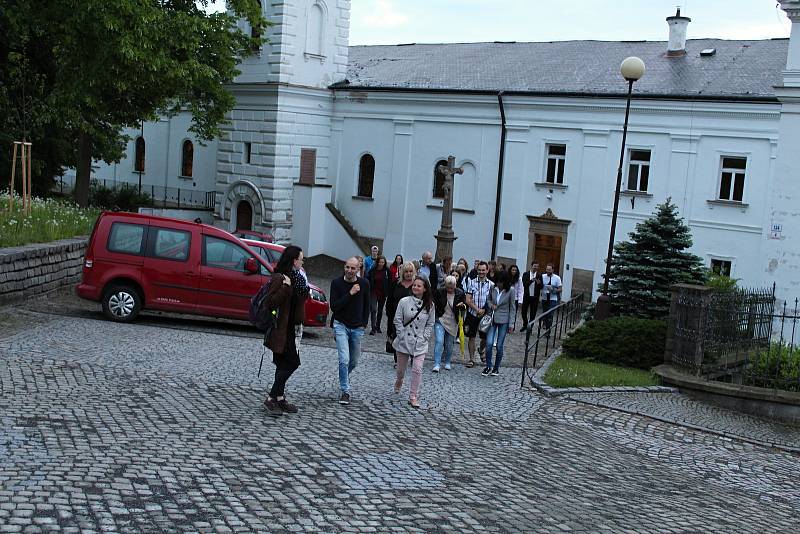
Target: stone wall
[{"x": 33, "y": 269}]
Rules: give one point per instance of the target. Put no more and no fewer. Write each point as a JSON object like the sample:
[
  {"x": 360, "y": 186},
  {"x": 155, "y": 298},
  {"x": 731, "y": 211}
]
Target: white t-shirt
[{"x": 551, "y": 283}]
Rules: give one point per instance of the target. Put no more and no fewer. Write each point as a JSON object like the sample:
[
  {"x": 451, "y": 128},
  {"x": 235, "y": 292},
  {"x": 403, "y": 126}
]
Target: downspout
[{"x": 499, "y": 173}]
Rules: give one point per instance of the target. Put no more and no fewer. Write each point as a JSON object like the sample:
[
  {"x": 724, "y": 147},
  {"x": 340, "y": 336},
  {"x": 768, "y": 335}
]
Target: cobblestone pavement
[
  {"x": 142, "y": 428},
  {"x": 679, "y": 408}
]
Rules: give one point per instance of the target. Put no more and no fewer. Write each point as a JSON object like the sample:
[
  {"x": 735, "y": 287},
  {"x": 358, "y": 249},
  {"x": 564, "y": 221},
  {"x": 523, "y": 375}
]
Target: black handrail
[{"x": 550, "y": 326}]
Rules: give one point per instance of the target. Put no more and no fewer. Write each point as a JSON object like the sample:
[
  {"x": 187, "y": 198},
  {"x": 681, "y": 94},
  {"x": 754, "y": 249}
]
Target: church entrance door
[
  {"x": 547, "y": 241},
  {"x": 547, "y": 249},
  {"x": 244, "y": 215}
]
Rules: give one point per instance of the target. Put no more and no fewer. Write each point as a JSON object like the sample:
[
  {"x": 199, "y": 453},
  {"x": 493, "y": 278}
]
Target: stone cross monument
[{"x": 445, "y": 236}]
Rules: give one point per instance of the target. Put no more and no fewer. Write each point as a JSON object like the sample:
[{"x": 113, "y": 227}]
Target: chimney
[{"x": 677, "y": 34}]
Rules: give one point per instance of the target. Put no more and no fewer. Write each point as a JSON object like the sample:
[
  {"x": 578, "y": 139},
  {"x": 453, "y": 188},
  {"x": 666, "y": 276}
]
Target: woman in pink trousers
[{"x": 413, "y": 322}]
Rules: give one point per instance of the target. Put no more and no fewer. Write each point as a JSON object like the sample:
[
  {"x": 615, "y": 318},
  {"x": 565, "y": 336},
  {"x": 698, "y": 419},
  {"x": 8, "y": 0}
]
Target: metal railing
[
  {"x": 550, "y": 327},
  {"x": 163, "y": 197}
]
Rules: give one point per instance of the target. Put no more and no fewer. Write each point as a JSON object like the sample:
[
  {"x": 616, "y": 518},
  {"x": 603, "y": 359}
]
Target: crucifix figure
[{"x": 445, "y": 236}]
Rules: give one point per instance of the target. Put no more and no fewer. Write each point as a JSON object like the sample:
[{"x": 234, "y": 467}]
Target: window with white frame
[
  {"x": 721, "y": 267},
  {"x": 638, "y": 170},
  {"x": 731, "y": 178},
  {"x": 556, "y": 156}
]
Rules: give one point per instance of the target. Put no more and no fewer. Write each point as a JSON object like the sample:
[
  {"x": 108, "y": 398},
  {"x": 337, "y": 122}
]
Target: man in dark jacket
[
  {"x": 532, "y": 286},
  {"x": 350, "y": 307}
]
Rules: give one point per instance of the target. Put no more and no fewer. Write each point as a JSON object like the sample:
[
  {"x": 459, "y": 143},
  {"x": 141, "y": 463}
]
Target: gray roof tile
[{"x": 739, "y": 69}]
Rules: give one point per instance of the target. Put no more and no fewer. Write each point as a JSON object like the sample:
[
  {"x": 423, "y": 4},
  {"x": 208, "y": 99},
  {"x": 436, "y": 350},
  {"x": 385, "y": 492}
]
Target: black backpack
[{"x": 260, "y": 313}]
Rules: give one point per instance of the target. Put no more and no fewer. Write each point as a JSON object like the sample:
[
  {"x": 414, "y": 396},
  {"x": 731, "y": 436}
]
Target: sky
[{"x": 453, "y": 21}]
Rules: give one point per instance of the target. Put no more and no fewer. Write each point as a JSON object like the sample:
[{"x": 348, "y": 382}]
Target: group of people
[{"x": 422, "y": 300}]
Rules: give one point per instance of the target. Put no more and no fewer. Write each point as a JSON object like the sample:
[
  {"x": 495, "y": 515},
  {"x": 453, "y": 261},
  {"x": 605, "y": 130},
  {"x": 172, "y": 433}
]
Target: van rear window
[{"x": 126, "y": 238}]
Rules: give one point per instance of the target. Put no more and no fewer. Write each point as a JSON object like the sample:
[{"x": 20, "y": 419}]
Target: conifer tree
[{"x": 644, "y": 268}]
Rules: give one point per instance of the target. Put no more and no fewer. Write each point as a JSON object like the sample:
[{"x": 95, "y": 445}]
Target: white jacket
[{"x": 413, "y": 339}]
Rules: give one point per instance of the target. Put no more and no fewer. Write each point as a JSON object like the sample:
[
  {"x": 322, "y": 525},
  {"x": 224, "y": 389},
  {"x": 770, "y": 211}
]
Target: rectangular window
[
  {"x": 731, "y": 182},
  {"x": 638, "y": 170},
  {"x": 170, "y": 244},
  {"x": 721, "y": 267},
  {"x": 126, "y": 238},
  {"x": 308, "y": 165},
  {"x": 248, "y": 147},
  {"x": 556, "y": 156},
  {"x": 223, "y": 254}
]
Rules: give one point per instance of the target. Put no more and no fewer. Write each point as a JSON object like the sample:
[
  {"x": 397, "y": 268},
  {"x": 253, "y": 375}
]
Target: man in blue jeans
[{"x": 349, "y": 297}]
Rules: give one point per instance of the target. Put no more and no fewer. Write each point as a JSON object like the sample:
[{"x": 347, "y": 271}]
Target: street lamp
[{"x": 631, "y": 69}]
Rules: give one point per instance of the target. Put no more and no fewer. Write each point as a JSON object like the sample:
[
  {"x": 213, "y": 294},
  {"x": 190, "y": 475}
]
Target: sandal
[
  {"x": 414, "y": 403},
  {"x": 470, "y": 364}
]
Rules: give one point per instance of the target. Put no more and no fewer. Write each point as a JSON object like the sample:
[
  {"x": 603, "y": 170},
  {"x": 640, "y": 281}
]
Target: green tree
[
  {"x": 644, "y": 268},
  {"x": 86, "y": 69}
]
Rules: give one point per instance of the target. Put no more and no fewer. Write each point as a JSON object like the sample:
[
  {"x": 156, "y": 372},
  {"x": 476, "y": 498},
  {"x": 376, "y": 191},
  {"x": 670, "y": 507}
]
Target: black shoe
[
  {"x": 272, "y": 407},
  {"x": 287, "y": 406},
  {"x": 495, "y": 372},
  {"x": 486, "y": 372},
  {"x": 378, "y": 330},
  {"x": 523, "y": 329},
  {"x": 344, "y": 399},
  {"x": 372, "y": 332}
]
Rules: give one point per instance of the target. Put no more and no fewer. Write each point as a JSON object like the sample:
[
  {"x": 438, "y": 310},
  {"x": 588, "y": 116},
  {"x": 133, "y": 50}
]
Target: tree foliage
[
  {"x": 655, "y": 258},
  {"x": 74, "y": 73}
]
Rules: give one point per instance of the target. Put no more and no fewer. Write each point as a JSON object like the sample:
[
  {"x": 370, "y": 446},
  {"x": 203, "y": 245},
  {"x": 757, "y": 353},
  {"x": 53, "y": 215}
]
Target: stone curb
[
  {"x": 540, "y": 385},
  {"x": 686, "y": 424}
]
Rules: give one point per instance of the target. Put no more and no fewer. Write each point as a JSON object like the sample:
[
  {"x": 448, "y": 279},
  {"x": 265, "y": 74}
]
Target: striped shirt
[{"x": 480, "y": 292}]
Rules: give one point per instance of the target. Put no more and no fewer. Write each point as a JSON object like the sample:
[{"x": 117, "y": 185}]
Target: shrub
[
  {"x": 625, "y": 341},
  {"x": 125, "y": 198},
  {"x": 777, "y": 366}
]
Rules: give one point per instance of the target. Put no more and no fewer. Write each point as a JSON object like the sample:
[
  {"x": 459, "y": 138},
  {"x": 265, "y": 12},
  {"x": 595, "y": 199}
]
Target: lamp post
[{"x": 632, "y": 69}]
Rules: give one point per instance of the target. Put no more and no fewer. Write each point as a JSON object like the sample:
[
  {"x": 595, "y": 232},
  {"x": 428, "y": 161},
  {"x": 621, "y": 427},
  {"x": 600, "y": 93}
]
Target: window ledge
[
  {"x": 318, "y": 57},
  {"x": 548, "y": 185},
  {"x": 632, "y": 193},
  {"x": 368, "y": 199},
  {"x": 459, "y": 210},
  {"x": 184, "y": 177},
  {"x": 729, "y": 203}
]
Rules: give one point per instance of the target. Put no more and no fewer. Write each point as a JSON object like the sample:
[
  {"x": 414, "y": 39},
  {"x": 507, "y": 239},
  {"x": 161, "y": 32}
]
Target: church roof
[{"x": 737, "y": 70}]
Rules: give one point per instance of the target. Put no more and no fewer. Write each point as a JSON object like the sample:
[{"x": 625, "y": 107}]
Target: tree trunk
[{"x": 84, "y": 171}]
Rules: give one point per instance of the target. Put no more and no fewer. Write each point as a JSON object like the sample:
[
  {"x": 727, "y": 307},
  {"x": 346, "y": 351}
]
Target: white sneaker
[
  {"x": 435, "y": 368},
  {"x": 447, "y": 367}
]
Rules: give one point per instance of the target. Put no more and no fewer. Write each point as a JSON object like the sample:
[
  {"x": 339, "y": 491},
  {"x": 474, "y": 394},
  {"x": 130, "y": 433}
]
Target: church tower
[{"x": 282, "y": 115}]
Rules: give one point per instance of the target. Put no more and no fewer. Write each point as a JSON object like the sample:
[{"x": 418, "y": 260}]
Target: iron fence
[
  {"x": 737, "y": 336},
  {"x": 544, "y": 332},
  {"x": 162, "y": 196}
]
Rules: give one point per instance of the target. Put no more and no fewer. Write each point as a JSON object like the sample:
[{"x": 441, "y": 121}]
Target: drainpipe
[{"x": 499, "y": 173}]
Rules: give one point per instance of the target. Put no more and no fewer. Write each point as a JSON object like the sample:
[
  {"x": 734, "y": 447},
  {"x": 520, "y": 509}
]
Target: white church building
[{"x": 333, "y": 146}]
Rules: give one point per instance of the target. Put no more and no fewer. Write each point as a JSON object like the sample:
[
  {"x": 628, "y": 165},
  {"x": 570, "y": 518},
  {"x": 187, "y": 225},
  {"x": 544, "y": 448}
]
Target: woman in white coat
[{"x": 413, "y": 322}]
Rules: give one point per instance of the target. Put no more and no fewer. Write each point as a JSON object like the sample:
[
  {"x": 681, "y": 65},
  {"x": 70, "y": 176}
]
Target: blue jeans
[
  {"x": 348, "y": 344},
  {"x": 547, "y": 305},
  {"x": 498, "y": 331},
  {"x": 444, "y": 342}
]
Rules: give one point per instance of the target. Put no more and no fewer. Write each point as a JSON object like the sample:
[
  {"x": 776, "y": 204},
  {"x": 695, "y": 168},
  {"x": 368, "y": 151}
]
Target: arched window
[
  {"x": 315, "y": 32},
  {"x": 138, "y": 164},
  {"x": 187, "y": 158},
  {"x": 366, "y": 175},
  {"x": 438, "y": 180}
]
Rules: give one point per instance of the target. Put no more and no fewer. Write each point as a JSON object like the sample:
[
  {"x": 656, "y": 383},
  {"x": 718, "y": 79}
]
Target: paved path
[{"x": 149, "y": 428}]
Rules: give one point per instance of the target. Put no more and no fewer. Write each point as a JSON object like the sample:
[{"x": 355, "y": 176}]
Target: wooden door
[
  {"x": 244, "y": 216},
  {"x": 547, "y": 249}
]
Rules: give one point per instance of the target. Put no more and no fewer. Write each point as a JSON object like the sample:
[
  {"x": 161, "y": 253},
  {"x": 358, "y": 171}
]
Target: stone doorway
[
  {"x": 244, "y": 215},
  {"x": 547, "y": 241}
]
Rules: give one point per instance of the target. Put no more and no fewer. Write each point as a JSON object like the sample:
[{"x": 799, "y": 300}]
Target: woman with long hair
[
  {"x": 287, "y": 294},
  {"x": 502, "y": 299},
  {"x": 378, "y": 290},
  {"x": 413, "y": 322},
  {"x": 394, "y": 270},
  {"x": 515, "y": 283},
  {"x": 399, "y": 290}
]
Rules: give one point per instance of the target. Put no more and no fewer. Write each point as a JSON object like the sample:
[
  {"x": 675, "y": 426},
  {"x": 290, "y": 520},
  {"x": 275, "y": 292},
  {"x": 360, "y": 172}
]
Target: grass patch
[
  {"x": 566, "y": 372},
  {"x": 49, "y": 220}
]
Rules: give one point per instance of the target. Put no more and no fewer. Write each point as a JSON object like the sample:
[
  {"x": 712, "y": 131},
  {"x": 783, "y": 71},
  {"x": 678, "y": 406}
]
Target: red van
[{"x": 135, "y": 262}]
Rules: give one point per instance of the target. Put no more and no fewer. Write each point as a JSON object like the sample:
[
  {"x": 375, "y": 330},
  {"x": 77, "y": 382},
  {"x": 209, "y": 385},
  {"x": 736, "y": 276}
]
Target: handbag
[{"x": 486, "y": 322}]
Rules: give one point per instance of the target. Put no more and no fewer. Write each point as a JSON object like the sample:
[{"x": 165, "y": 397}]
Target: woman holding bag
[
  {"x": 413, "y": 322},
  {"x": 503, "y": 301}
]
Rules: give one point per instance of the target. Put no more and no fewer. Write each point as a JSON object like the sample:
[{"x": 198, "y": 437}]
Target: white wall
[{"x": 408, "y": 132}]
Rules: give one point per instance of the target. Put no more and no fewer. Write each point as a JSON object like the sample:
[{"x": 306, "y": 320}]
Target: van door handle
[
  {"x": 191, "y": 274},
  {"x": 208, "y": 277}
]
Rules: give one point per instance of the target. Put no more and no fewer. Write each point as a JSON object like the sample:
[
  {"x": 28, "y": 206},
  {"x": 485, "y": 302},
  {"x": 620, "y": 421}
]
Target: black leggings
[
  {"x": 284, "y": 368},
  {"x": 286, "y": 363}
]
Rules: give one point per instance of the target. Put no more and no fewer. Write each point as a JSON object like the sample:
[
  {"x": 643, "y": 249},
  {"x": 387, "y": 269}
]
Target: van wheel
[{"x": 121, "y": 303}]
